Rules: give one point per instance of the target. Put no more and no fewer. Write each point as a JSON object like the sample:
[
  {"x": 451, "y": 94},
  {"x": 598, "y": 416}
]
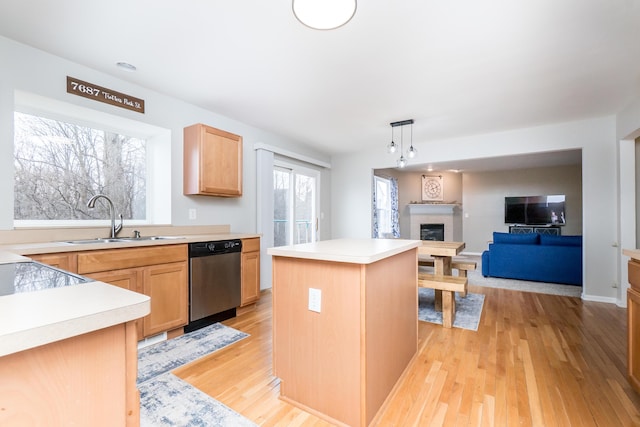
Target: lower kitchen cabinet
[
  {"x": 128, "y": 278},
  {"x": 165, "y": 284},
  {"x": 167, "y": 287},
  {"x": 160, "y": 272},
  {"x": 250, "y": 271},
  {"x": 65, "y": 261},
  {"x": 633, "y": 325}
]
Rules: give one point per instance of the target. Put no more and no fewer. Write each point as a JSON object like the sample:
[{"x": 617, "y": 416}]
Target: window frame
[
  {"x": 388, "y": 216},
  {"x": 158, "y": 156}
]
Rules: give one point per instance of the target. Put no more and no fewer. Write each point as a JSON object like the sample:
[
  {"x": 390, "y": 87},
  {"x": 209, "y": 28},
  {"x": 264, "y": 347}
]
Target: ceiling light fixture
[
  {"x": 126, "y": 66},
  {"x": 324, "y": 14},
  {"x": 392, "y": 147}
]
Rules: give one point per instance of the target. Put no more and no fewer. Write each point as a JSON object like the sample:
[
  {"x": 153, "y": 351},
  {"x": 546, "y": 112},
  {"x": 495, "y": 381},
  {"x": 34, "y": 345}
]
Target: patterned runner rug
[{"x": 166, "y": 400}]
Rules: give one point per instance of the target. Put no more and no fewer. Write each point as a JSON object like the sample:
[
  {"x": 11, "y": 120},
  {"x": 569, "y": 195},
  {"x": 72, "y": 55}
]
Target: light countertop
[
  {"x": 31, "y": 319},
  {"x": 62, "y": 246},
  {"x": 632, "y": 253},
  {"x": 357, "y": 251}
]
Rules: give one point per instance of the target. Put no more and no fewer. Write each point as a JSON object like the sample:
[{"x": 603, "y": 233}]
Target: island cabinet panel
[
  {"x": 212, "y": 162},
  {"x": 633, "y": 325},
  {"x": 342, "y": 362},
  {"x": 250, "y": 271},
  {"x": 88, "y": 380}
]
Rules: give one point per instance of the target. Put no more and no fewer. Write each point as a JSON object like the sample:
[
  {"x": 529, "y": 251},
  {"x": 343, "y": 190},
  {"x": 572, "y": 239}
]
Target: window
[
  {"x": 383, "y": 206},
  {"x": 59, "y": 166},
  {"x": 61, "y": 161},
  {"x": 295, "y": 193}
]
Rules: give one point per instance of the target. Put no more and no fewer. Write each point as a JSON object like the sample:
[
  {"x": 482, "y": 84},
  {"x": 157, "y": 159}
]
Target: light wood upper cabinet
[
  {"x": 250, "y": 271},
  {"x": 212, "y": 162}
]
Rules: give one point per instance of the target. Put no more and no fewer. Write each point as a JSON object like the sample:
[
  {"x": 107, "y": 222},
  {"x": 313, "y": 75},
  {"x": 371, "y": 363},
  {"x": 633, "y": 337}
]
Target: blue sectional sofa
[{"x": 536, "y": 257}]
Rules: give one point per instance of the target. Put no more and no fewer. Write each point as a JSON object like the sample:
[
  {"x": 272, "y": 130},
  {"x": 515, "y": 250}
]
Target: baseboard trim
[{"x": 596, "y": 298}]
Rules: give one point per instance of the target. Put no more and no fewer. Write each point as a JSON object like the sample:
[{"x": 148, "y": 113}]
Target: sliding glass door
[{"x": 295, "y": 204}]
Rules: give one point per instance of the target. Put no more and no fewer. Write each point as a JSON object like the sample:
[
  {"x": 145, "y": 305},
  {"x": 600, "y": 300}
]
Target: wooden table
[{"x": 442, "y": 252}]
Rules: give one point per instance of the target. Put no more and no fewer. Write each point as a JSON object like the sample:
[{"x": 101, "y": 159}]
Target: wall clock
[{"x": 432, "y": 189}]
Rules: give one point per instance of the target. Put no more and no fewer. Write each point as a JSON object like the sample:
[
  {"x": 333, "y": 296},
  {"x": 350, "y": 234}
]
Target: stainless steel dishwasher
[{"x": 214, "y": 282}]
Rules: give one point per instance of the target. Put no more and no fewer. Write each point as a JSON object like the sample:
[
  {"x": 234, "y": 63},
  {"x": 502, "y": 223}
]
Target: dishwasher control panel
[{"x": 214, "y": 248}]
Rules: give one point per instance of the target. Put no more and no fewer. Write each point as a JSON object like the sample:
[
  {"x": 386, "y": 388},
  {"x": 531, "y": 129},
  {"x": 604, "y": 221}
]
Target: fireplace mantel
[{"x": 432, "y": 208}]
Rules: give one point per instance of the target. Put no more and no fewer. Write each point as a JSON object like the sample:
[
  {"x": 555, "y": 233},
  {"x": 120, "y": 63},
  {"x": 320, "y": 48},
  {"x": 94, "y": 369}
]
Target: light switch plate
[{"x": 315, "y": 300}]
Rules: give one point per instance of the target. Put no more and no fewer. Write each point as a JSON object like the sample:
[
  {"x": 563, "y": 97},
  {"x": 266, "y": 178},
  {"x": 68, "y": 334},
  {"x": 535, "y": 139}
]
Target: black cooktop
[{"x": 33, "y": 276}]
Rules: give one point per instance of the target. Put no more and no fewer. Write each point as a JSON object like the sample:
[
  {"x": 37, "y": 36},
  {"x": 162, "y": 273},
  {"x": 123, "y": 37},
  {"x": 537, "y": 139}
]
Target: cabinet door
[
  {"x": 167, "y": 285},
  {"x": 129, "y": 278},
  {"x": 250, "y": 277},
  {"x": 64, "y": 261},
  {"x": 212, "y": 162},
  {"x": 633, "y": 330}
]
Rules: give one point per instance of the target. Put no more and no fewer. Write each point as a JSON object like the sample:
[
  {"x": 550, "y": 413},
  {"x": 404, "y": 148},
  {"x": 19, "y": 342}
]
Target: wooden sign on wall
[{"x": 101, "y": 94}]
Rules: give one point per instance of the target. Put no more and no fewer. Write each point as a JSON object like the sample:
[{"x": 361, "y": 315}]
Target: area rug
[
  {"x": 477, "y": 279},
  {"x": 168, "y": 355},
  {"x": 468, "y": 309},
  {"x": 166, "y": 400}
]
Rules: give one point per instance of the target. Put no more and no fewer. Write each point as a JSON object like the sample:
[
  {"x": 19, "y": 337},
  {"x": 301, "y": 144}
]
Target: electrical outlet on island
[{"x": 315, "y": 300}]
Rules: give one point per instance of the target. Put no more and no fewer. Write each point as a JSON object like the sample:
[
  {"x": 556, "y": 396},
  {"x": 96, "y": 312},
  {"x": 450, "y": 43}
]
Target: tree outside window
[{"x": 59, "y": 166}]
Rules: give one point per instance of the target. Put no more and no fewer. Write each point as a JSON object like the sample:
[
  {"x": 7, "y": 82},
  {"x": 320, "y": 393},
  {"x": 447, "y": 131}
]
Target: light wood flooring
[{"x": 536, "y": 360}]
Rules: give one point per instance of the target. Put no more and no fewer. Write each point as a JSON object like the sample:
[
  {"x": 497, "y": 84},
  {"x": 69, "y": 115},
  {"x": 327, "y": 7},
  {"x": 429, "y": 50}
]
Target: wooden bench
[
  {"x": 461, "y": 265},
  {"x": 445, "y": 288}
]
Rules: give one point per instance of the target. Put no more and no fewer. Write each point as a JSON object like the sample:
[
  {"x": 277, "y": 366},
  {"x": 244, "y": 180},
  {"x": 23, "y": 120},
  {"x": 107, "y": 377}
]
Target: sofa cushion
[
  {"x": 550, "y": 240},
  {"x": 516, "y": 239}
]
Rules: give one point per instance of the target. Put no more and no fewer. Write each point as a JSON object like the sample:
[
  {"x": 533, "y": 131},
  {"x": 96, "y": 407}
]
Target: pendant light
[
  {"x": 324, "y": 14},
  {"x": 412, "y": 152},
  {"x": 402, "y": 162},
  {"x": 393, "y": 147}
]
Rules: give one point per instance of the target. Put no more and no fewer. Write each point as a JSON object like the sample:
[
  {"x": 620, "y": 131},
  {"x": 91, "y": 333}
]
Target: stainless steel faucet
[{"x": 114, "y": 229}]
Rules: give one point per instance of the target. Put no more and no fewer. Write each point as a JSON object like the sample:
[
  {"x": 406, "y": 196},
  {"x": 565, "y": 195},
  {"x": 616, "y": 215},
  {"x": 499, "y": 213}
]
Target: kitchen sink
[{"x": 120, "y": 239}]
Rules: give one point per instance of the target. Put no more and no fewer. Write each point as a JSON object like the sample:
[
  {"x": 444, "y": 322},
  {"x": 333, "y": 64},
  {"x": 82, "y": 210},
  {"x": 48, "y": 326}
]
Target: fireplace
[
  {"x": 432, "y": 232},
  {"x": 441, "y": 213}
]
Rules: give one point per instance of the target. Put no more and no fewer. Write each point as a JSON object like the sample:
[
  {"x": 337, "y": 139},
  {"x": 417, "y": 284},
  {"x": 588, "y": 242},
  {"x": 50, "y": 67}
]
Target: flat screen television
[{"x": 534, "y": 210}]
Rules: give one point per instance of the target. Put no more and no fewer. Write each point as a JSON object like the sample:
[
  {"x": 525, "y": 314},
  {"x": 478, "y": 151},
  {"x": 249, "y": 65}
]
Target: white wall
[
  {"x": 26, "y": 69},
  {"x": 484, "y": 194},
  {"x": 627, "y": 130},
  {"x": 351, "y": 190}
]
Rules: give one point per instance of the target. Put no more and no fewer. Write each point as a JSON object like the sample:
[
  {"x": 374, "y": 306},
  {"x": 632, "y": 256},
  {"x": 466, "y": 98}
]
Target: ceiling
[
  {"x": 523, "y": 161},
  {"x": 456, "y": 68}
]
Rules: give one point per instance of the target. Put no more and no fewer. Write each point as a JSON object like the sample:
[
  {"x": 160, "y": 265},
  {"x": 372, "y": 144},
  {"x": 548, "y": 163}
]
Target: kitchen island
[
  {"x": 345, "y": 324},
  {"x": 68, "y": 354}
]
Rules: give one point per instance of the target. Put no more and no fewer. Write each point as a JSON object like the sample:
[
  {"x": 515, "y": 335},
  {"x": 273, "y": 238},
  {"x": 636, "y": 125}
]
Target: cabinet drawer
[
  {"x": 250, "y": 245},
  {"x": 116, "y": 259},
  {"x": 634, "y": 274}
]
